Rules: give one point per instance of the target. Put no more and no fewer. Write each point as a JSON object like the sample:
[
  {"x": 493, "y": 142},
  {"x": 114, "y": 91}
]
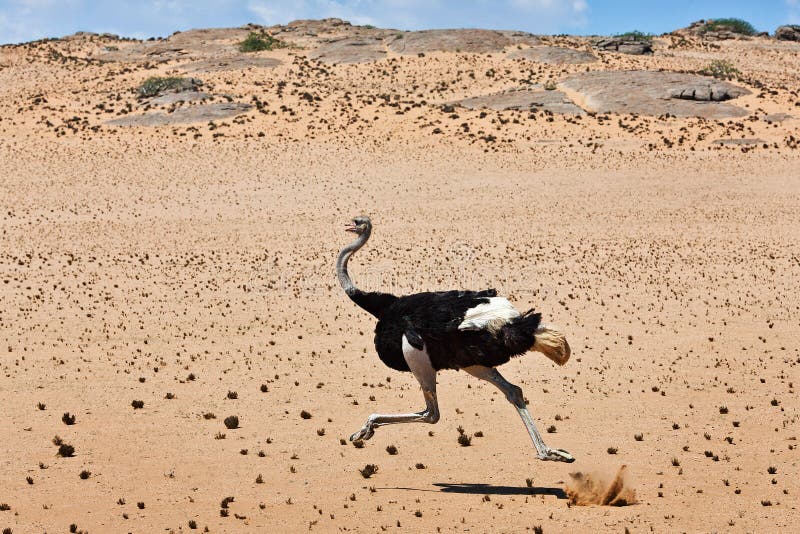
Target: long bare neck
[{"x": 341, "y": 264}]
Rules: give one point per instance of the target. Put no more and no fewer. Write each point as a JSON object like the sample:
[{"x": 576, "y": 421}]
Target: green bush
[
  {"x": 721, "y": 69},
  {"x": 734, "y": 25},
  {"x": 257, "y": 42},
  {"x": 156, "y": 84},
  {"x": 635, "y": 35}
]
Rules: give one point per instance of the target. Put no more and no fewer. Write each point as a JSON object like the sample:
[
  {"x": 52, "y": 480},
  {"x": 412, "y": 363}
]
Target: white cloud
[{"x": 534, "y": 15}]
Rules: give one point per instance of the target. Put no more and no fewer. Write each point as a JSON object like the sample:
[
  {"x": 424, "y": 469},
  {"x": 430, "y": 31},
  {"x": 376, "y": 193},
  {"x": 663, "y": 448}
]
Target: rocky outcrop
[
  {"x": 655, "y": 93},
  {"x": 349, "y": 51},
  {"x": 185, "y": 115},
  {"x": 240, "y": 62},
  {"x": 625, "y": 45},
  {"x": 711, "y": 30},
  {"x": 524, "y": 99},
  {"x": 790, "y": 32},
  {"x": 177, "y": 97},
  {"x": 476, "y": 41},
  {"x": 706, "y": 90},
  {"x": 554, "y": 55}
]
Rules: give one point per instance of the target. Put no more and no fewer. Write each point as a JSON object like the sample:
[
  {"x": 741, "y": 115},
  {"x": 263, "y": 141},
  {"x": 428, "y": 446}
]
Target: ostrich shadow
[{"x": 488, "y": 489}]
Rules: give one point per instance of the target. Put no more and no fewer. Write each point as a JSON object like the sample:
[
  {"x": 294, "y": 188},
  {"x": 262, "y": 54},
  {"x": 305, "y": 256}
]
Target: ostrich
[{"x": 471, "y": 330}]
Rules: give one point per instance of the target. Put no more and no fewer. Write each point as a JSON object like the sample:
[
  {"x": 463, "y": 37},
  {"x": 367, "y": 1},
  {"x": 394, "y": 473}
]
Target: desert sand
[{"x": 166, "y": 265}]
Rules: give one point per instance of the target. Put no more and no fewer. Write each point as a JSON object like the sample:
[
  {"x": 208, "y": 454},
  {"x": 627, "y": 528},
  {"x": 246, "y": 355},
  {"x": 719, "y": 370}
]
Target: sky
[{"x": 26, "y": 20}]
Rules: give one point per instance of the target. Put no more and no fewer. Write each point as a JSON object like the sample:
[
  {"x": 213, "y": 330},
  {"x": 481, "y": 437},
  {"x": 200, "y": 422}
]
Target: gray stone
[
  {"x": 790, "y": 32},
  {"x": 349, "y": 51},
  {"x": 185, "y": 115},
  {"x": 524, "y": 99},
  {"x": 182, "y": 96},
  {"x": 556, "y": 55},
  {"x": 475, "y": 41},
  {"x": 655, "y": 93},
  {"x": 624, "y": 45},
  {"x": 709, "y": 90},
  {"x": 739, "y": 142},
  {"x": 776, "y": 117}
]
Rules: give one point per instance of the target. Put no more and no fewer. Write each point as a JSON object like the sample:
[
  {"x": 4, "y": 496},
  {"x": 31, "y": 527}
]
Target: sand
[{"x": 190, "y": 267}]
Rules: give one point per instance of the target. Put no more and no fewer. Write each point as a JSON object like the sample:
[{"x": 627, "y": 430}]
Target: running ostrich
[{"x": 471, "y": 330}]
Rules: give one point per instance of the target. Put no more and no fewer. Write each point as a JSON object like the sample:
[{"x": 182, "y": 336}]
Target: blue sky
[{"x": 25, "y": 20}]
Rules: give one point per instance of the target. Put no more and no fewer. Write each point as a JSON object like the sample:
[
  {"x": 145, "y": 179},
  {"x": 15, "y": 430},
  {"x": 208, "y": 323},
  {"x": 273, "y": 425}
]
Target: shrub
[
  {"x": 256, "y": 42},
  {"x": 635, "y": 35},
  {"x": 156, "y": 85},
  {"x": 231, "y": 422},
  {"x": 721, "y": 69},
  {"x": 369, "y": 470},
  {"x": 734, "y": 25},
  {"x": 66, "y": 450}
]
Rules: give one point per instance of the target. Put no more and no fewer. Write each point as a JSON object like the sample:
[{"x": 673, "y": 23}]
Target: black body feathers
[{"x": 432, "y": 319}]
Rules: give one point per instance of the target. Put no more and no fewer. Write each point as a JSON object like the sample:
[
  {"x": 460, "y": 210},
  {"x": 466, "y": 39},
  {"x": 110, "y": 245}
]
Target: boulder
[
  {"x": 625, "y": 45},
  {"x": 790, "y": 32},
  {"x": 706, "y": 90}
]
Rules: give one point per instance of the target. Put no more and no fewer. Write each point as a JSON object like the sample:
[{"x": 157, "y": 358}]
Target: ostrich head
[{"x": 360, "y": 225}]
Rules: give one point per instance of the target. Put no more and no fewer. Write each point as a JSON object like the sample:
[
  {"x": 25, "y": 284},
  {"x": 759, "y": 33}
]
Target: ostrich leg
[
  {"x": 514, "y": 395},
  {"x": 420, "y": 365}
]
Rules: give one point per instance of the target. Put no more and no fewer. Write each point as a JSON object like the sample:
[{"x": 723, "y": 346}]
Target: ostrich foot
[
  {"x": 557, "y": 455},
  {"x": 366, "y": 432}
]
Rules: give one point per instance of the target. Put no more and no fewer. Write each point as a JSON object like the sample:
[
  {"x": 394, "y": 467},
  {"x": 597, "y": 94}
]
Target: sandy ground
[{"x": 180, "y": 270}]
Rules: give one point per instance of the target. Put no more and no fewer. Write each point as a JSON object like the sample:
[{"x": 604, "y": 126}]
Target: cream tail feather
[
  {"x": 499, "y": 311},
  {"x": 552, "y": 344}
]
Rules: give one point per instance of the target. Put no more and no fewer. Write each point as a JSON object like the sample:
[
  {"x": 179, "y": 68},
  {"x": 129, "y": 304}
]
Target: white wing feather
[{"x": 490, "y": 315}]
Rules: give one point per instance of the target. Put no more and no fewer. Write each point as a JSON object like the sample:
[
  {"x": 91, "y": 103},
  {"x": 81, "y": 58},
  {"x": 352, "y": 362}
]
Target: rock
[
  {"x": 231, "y": 63},
  {"x": 524, "y": 99},
  {"x": 738, "y": 142},
  {"x": 349, "y": 51},
  {"x": 182, "y": 96},
  {"x": 773, "y": 118},
  {"x": 185, "y": 115},
  {"x": 790, "y": 32},
  {"x": 710, "y": 30},
  {"x": 655, "y": 93},
  {"x": 709, "y": 90},
  {"x": 556, "y": 55},
  {"x": 625, "y": 45},
  {"x": 474, "y": 41},
  {"x": 722, "y": 35}
]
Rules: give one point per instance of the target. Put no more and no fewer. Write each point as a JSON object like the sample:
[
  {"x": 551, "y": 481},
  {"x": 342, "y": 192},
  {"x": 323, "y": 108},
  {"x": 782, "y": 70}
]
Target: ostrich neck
[{"x": 341, "y": 264}]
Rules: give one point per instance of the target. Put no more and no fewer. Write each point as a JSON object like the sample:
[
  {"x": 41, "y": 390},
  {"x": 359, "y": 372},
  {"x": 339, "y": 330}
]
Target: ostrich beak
[{"x": 351, "y": 227}]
